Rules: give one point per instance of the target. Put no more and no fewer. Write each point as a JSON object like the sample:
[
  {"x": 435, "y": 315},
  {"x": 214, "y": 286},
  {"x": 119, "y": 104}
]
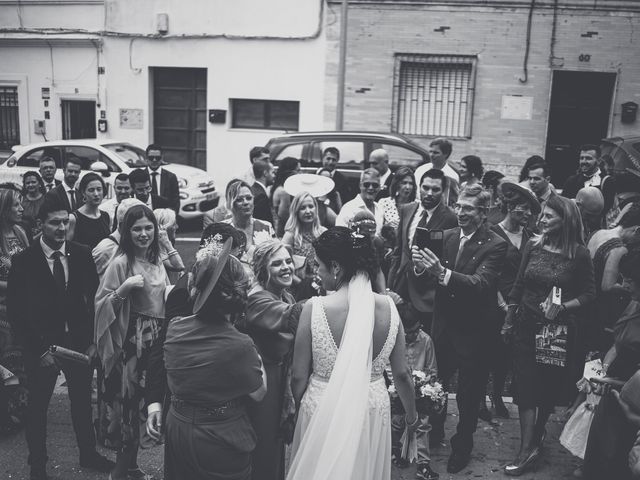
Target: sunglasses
[{"x": 371, "y": 185}]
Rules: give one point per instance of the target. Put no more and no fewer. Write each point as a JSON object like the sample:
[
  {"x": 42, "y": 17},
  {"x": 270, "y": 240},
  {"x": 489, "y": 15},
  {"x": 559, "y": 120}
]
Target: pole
[{"x": 342, "y": 65}]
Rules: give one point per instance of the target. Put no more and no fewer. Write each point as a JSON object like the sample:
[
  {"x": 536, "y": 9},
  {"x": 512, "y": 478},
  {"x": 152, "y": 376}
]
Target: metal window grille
[
  {"x": 9, "y": 117},
  {"x": 433, "y": 95}
]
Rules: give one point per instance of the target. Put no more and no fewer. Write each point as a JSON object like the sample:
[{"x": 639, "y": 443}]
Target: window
[
  {"x": 9, "y": 117},
  {"x": 294, "y": 151},
  {"x": 400, "y": 156},
  {"x": 87, "y": 156},
  {"x": 265, "y": 114},
  {"x": 32, "y": 158},
  {"x": 433, "y": 95},
  {"x": 351, "y": 152}
]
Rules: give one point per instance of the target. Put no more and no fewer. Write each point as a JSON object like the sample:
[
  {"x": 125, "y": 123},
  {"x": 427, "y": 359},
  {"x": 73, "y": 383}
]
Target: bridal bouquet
[{"x": 429, "y": 394}]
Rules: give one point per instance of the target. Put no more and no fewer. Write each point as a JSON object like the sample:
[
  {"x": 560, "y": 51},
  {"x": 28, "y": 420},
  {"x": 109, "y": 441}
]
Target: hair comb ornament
[
  {"x": 212, "y": 247},
  {"x": 357, "y": 239}
]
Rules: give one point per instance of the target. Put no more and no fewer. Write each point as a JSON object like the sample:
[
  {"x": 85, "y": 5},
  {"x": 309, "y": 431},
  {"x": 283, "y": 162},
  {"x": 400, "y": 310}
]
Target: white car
[{"x": 111, "y": 157}]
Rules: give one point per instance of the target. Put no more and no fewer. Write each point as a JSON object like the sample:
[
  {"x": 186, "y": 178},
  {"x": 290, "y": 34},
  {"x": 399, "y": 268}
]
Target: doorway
[
  {"x": 578, "y": 114},
  {"x": 78, "y": 119},
  {"x": 180, "y": 114}
]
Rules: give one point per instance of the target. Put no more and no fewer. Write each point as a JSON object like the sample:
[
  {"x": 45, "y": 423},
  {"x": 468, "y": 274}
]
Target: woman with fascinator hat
[{"x": 212, "y": 371}]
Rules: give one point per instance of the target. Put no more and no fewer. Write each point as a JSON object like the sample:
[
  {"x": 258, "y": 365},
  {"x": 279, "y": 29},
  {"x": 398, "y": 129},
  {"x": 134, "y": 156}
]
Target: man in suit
[
  {"x": 431, "y": 213},
  {"x": 51, "y": 290},
  {"x": 539, "y": 178},
  {"x": 142, "y": 190},
  {"x": 163, "y": 182},
  {"x": 256, "y": 153},
  {"x": 330, "y": 158},
  {"x": 47, "y": 167},
  {"x": 379, "y": 159},
  {"x": 66, "y": 193},
  {"x": 588, "y": 174},
  {"x": 466, "y": 299},
  {"x": 263, "y": 173}
]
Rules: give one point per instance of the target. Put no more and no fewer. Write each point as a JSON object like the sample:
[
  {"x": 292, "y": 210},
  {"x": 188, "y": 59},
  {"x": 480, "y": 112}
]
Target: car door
[
  {"x": 16, "y": 166},
  {"x": 400, "y": 155},
  {"x": 351, "y": 162}
]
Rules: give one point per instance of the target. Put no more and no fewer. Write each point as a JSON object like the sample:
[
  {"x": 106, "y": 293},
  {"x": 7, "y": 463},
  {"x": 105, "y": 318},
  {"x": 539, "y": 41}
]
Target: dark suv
[{"x": 354, "y": 147}]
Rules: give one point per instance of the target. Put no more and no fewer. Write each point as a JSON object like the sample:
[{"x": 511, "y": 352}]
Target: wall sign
[
  {"x": 516, "y": 107},
  {"x": 131, "y": 118}
]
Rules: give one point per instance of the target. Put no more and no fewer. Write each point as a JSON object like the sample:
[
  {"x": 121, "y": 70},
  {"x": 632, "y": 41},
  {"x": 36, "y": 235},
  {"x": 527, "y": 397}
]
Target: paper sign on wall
[
  {"x": 516, "y": 107},
  {"x": 131, "y": 118}
]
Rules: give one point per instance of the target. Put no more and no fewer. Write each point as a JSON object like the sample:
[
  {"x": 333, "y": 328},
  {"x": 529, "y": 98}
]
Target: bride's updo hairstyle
[{"x": 353, "y": 252}]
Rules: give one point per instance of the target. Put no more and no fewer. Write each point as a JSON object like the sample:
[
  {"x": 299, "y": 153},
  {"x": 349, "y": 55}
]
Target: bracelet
[
  {"x": 502, "y": 305},
  {"x": 172, "y": 252},
  {"x": 117, "y": 296},
  {"x": 412, "y": 424}
]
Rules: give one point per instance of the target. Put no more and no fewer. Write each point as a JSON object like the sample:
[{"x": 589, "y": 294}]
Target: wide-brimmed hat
[
  {"x": 213, "y": 263},
  {"x": 315, "y": 185},
  {"x": 510, "y": 189}
]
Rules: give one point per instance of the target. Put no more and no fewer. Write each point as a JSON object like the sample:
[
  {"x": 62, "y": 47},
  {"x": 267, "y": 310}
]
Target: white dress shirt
[
  {"x": 349, "y": 210},
  {"x": 48, "y": 253},
  {"x": 158, "y": 181},
  {"x": 447, "y": 170}
]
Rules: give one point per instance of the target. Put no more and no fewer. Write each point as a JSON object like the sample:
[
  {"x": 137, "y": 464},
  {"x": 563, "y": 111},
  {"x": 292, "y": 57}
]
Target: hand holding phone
[{"x": 430, "y": 239}]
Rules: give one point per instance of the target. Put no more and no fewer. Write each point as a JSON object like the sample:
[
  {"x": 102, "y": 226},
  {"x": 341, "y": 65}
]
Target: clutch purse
[{"x": 67, "y": 354}]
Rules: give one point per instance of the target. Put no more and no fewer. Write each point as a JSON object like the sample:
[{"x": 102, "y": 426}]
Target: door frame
[{"x": 60, "y": 97}]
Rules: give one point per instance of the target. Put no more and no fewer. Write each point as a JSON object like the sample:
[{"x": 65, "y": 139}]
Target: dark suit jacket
[
  {"x": 342, "y": 187},
  {"x": 37, "y": 311},
  {"x": 158, "y": 201},
  {"x": 261, "y": 204},
  {"x": 574, "y": 184},
  {"x": 402, "y": 279},
  {"x": 512, "y": 259},
  {"x": 169, "y": 189},
  {"x": 464, "y": 308},
  {"x": 385, "y": 188},
  {"x": 60, "y": 193}
]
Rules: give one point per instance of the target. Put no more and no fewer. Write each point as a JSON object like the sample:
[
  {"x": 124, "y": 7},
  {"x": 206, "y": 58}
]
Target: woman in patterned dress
[
  {"x": 129, "y": 312},
  {"x": 13, "y": 399},
  {"x": 303, "y": 227},
  {"x": 402, "y": 190},
  {"x": 544, "y": 379}
]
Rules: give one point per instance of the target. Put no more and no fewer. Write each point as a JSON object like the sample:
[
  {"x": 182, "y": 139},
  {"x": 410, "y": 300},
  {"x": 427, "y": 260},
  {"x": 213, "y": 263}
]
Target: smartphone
[{"x": 431, "y": 239}]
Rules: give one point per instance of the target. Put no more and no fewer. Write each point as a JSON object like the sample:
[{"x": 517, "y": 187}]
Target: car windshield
[{"x": 133, "y": 156}]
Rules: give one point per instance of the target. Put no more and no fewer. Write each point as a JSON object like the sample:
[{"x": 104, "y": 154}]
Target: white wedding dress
[{"x": 343, "y": 430}]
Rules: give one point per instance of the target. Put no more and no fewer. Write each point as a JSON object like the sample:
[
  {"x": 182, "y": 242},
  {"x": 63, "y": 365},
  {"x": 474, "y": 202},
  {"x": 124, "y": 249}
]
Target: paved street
[{"x": 494, "y": 447}]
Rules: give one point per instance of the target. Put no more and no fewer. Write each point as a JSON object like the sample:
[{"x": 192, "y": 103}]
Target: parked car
[
  {"x": 110, "y": 157},
  {"x": 354, "y": 147}
]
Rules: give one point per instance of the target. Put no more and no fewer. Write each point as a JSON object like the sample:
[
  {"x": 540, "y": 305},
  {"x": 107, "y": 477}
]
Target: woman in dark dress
[
  {"x": 211, "y": 371},
  {"x": 33, "y": 191},
  {"x": 545, "y": 350},
  {"x": 88, "y": 224},
  {"x": 519, "y": 204},
  {"x": 271, "y": 321}
]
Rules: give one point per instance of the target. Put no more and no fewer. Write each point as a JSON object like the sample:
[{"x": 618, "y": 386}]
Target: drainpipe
[{"x": 342, "y": 65}]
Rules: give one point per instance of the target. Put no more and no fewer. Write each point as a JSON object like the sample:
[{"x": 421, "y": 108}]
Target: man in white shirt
[
  {"x": 379, "y": 159},
  {"x": 66, "y": 193},
  {"x": 369, "y": 187},
  {"x": 439, "y": 151}
]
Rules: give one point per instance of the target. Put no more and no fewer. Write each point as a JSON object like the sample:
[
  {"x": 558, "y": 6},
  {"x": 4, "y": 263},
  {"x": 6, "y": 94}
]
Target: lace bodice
[{"x": 325, "y": 349}]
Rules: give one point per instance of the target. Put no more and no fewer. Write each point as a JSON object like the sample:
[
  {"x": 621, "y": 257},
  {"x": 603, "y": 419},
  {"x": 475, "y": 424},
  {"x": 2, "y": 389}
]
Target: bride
[{"x": 343, "y": 343}]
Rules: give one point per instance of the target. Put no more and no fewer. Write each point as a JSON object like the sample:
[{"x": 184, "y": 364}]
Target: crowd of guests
[{"x": 515, "y": 280}]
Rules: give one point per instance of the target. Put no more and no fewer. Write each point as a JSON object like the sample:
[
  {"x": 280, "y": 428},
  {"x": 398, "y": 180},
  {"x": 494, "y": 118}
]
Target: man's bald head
[
  {"x": 590, "y": 200},
  {"x": 379, "y": 159}
]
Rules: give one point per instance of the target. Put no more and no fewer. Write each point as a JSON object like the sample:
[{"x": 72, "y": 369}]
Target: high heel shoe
[
  {"x": 499, "y": 406},
  {"x": 518, "y": 468}
]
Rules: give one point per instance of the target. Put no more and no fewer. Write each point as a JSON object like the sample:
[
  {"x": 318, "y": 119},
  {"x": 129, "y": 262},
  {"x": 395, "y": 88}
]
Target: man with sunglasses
[
  {"x": 163, "y": 182},
  {"x": 365, "y": 200},
  {"x": 465, "y": 302}
]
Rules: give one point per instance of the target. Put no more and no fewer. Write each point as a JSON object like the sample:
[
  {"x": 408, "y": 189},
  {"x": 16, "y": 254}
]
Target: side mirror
[{"x": 100, "y": 167}]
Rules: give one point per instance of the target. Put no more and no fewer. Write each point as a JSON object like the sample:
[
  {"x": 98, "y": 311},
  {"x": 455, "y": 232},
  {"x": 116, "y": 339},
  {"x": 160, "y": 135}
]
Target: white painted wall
[{"x": 289, "y": 68}]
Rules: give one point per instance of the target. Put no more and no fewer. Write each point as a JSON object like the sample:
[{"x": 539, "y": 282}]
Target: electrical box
[
  {"x": 629, "y": 112},
  {"x": 217, "y": 116},
  {"x": 102, "y": 125},
  {"x": 39, "y": 127},
  {"x": 162, "y": 23}
]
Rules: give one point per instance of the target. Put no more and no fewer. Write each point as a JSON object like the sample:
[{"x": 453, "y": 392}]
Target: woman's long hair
[
  {"x": 293, "y": 223},
  {"x": 261, "y": 258},
  {"x": 8, "y": 198},
  {"x": 571, "y": 234},
  {"x": 286, "y": 168},
  {"x": 126, "y": 247},
  {"x": 398, "y": 177}
]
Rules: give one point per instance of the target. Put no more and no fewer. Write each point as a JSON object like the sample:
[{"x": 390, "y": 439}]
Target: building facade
[
  {"x": 206, "y": 79},
  {"x": 503, "y": 79}
]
